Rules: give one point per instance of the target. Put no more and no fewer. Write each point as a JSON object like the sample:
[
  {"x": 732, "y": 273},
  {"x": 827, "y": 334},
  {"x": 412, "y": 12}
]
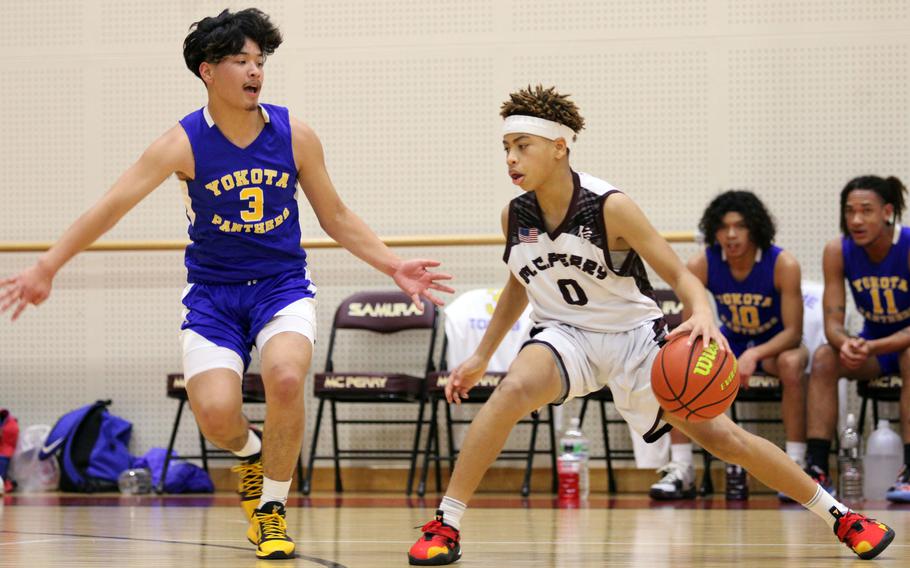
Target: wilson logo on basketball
[
  {"x": 706, "y": 360},
  {"x": 730, "y": 377}
]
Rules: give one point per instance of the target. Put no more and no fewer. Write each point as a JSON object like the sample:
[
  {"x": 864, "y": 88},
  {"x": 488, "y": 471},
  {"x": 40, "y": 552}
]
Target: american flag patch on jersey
[{"x": 527, "y": 235}]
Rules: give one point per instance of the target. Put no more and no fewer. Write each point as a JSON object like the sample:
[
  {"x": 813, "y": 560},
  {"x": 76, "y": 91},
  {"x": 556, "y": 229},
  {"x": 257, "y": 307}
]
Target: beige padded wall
[{"x": 683, "y": 98}]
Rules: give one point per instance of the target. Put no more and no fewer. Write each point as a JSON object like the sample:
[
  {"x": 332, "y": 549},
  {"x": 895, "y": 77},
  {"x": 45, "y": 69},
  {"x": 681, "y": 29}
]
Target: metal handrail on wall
[{"x": 395, "y": 241}]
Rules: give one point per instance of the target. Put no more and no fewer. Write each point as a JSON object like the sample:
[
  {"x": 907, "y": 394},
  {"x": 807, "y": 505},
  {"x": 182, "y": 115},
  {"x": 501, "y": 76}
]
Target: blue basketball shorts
[
  {"x": 888, "y": 363},
  {"x": 223, "y": 322}
]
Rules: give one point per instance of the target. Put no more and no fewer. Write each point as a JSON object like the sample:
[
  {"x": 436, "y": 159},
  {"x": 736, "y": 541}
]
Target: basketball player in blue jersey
[
  {"x": 574, "y": 248},
  {"x": 872, "y": 259},
  {"x": 241, "y": 162},
  {"x": 756, "y": 287}
]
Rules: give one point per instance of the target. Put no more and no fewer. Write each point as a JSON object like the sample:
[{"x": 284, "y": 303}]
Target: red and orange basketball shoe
[
  {"x": 866, "y": 537},
  {"x": 438, "y": 545}
]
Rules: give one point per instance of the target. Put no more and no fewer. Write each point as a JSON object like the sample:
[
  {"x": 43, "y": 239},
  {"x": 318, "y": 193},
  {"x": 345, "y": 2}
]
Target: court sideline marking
[{"x": 313, "y": 559}]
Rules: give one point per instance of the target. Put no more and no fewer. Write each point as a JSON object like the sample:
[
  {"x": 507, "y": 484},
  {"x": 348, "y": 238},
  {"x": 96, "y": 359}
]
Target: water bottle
[
  {"x": 883, "y": 460},
  {"x": 568, "y": 469},
  {"x": 135, "y": 481},
  {"x": 573, "y": 442},
  {"x": 850, "y": 465}
]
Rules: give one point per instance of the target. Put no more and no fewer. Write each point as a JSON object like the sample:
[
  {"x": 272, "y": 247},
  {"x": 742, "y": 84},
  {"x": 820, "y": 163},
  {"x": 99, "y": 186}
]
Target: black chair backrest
[
  {"x": 384, "y": 311},
  {"x": 670, "y": 305}
]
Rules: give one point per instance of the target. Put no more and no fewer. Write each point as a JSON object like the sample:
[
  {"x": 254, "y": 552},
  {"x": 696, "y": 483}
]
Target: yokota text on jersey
[
  {"x": 252, "y": 187},
  {"x": 242, "y": 203}
]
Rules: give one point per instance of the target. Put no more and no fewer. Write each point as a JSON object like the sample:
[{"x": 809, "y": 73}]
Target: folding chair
[
  {"x": 466, "y": 318},
  {"x": 253, "y": 393},
  {"x": 379, "y": 312},
  {"x": 886, "y": 388},
  {"x": 672, "y": 308}
]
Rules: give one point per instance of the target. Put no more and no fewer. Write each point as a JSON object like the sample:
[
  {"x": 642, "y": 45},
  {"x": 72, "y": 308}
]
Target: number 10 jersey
[{"x": 569, "y": 274}]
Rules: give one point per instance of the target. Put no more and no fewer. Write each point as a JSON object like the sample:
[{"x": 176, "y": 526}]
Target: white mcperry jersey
[{"x": 569, "y": 274}]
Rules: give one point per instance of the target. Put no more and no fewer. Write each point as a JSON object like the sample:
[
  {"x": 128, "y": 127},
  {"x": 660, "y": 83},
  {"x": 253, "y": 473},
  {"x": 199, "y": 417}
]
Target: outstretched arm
[
  {"x": 349, "y": 230},
  {"x": 170, "y": 153},
  {"x": 629, "y": 227}
]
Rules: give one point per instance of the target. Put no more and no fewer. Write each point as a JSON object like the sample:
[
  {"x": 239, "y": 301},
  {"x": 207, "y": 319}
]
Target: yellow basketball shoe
[
  {"x": 250, "y": 485},
  {"x": 269, "y": 532}
]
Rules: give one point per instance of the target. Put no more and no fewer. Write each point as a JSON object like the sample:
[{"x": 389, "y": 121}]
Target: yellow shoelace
[
  {"x": 250, "y": 477},
  {"x": 272, "y": 525}
]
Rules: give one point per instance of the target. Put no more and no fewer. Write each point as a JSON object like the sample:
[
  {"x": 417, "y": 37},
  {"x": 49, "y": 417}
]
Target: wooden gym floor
[{"x": 375, "y": 532}]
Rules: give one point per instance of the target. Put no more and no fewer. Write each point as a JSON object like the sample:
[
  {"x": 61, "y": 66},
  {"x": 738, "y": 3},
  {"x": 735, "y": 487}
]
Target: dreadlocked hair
[
  {"x": 544, "y": 103},
  {"x": 890, "y": 190}
]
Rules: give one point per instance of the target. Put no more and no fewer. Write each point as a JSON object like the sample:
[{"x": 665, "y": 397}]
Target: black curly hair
[
  {"x": 758, "y": 220},
  {"x": 214, "y": 38},
  {"x": 543, "y": 103},
  {"x": 890, "y": 189}
]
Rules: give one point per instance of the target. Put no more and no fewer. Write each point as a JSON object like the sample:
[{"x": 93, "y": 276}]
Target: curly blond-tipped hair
[{"x": 543, "y": 103}]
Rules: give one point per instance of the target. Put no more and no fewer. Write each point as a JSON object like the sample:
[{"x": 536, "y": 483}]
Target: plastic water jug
[{"x": 884, "y": 458}]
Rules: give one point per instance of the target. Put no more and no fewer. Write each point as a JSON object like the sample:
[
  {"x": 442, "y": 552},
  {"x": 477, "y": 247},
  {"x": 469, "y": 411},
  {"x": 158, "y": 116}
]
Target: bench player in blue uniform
[
  {"x": 756, "y": 287},
  {"x": 575, "y": 249},
  {"x": 240, "y": 162},
  {"x": 872, "y": 259}
]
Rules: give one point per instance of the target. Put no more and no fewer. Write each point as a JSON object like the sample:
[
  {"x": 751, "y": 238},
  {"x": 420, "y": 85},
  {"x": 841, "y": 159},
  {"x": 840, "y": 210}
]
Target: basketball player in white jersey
[{"x": 574, "y": 247}]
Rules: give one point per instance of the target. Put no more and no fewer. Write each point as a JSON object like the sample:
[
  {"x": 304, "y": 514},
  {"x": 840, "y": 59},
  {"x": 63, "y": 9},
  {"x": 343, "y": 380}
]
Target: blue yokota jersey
[
  {"x": 242, "y": 204},
  {"x": 880, "y": 290},
  {"x": 749, "y": 310}
]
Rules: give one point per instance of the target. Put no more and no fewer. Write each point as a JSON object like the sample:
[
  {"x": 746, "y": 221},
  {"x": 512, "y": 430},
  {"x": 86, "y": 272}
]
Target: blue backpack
[{"x": 92, "y": 447}]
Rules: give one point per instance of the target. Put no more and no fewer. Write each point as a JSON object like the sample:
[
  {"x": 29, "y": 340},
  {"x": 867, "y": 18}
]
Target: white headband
[{"x": 539, "y": 127}]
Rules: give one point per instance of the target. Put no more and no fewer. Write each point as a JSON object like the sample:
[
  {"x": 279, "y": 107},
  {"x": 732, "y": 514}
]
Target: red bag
[{"x": 9, "y": 436}]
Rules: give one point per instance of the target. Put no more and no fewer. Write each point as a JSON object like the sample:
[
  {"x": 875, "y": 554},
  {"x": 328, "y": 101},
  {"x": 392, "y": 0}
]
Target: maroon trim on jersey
[
  {"x": 511, "y": 230},
  {"x": 570, "y": 212},
  {"x": 633, "y": 266},
  {"x": 602, "y": 225}
]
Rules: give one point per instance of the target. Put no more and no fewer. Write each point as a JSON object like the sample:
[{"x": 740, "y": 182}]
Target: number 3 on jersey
[
  {"x": 571, "y": 292},
  {"x": 254, "y": 196}
]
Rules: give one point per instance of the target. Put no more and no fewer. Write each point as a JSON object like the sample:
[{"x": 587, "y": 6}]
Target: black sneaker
[{"x": 737, "y": 483}]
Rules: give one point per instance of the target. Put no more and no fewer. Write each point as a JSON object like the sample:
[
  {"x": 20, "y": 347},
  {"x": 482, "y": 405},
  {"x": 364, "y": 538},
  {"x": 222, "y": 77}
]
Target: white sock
[
  {"x": 452, "y": 510},
  {"x": 681, "y": 453},
  {"x": 274, "y": 491},
  {"x": 823, "y": 503},
  {"x": 797, "y": 452},
  {"x": 253, "y": 446}
]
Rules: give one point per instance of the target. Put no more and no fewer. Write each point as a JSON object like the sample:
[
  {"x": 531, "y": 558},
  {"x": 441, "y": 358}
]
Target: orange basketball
[{"x": 693, "y": 382}]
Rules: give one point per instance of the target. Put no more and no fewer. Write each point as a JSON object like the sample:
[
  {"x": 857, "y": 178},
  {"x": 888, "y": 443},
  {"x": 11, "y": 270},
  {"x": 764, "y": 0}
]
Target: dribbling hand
[
  {"x": 31, "y": 286},
  {"x": 701, "y": 325}
]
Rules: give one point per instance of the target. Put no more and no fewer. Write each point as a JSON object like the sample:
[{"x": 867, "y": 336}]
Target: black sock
[
  {"x": 907, "y": 455},
  {"x": 817, "y": 451}
]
